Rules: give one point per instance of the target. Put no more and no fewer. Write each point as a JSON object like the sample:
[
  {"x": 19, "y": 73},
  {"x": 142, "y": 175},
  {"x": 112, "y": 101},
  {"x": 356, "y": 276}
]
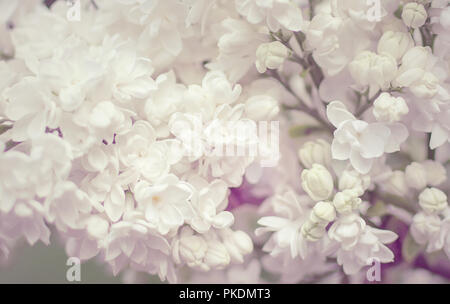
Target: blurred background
[{"x": 43, "y": 264}]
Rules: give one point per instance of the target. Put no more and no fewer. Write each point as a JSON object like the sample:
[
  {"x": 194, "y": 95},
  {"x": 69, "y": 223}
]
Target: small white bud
[
  {"x": 243, "y": 241},
  {"x": 425, "y": 227},
  {"x": 395, "y": 43},
  {"x": 416, "y": 176},
  {"x": 383, "y": 70},
  {"x": 426, "y": 87},
  {"x": 270, "y": 55},
  {"x": 360, "y": 67},
  {"x": 368, "y": 68},
  {"x": 315, "y": 152},
  {"x": 323, "y": 213},
  {"x": 433, "y": 200},
  {"x": 238, "y": 244},
  {"x": 389, "y": 109},
  {"x": 217, "y": 256},
  {"x": 192, "y": 250},
  {"x": 414, "y": 15},
  {"x": 351, "y": 179},
  {"x": 317, "y": 182},
  {"x": 416, "y": 57},
  {"x": 396, "y": 184},
  {"x": 436, "y": 173},
  {"x": 346, "y": 201},
  {"x": 312, "y": 231},
  {"x": 261, "y": 107}
]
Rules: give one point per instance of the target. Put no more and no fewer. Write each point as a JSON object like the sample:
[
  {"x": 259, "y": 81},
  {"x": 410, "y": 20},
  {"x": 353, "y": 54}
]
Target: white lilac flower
[
  {"x": 32, "y": 111},
  {"x": 165, "y": 205},
  {"x": 237, "y": 48},
  {"x": 68, "y": 207},
  {"x": 133, "y": 242},
  {"x": 115, "y": 120},
  {"x": 276, "y": 13},
  {"x": 362, "y": 142},
  {"x": 334, "y": 41},
  {"x": 291, "y": 214},
  {"x": 359, "y": 244},
  {"x": 416, "y": 72},
  {"x": 140, "y": 153},
  {"x": 209, "y": 202}
]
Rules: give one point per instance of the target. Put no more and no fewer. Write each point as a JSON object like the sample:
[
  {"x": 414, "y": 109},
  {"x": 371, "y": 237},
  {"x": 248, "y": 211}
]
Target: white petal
[
  {"x": 337, "y": 113},
  {"x": 373, "y": 140},
  {"x": 223, "y": 220},
  {"x": 438, "y": 136},
  {"x": 340, "y": 151},
  {"x": 361, "y": 164},
  {"x": 399, "y": 133}
]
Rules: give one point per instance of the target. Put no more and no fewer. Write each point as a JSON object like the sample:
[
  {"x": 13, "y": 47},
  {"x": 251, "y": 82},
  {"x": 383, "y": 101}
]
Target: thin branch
[
  {"x": 302, "y": 107},
  {"x": 315, "y": 72},
  {"x": 300, "y": 37},
  {"x": 431, "y": 153},
  {"x": 367, "y": 105},
  {"x": 94, "y": 4},
  {"x": 311, "y": 9}
]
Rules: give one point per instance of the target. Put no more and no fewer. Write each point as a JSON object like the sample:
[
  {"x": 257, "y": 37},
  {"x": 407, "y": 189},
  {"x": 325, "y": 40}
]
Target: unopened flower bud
[
  {"x": 315, "y": 152},
  {"x": 312, "y": 231},
  {"x": 192, "y": 250},
  {"x": 436, "y": 173},
  {"x": 383, "y": 70},
  {"x": 389, "y": 109},
  {"x": 323, "y": 213},
  {"x": 261, "y": 107},
  {"x": 238, "y": 244},
  {"x": 433, "y": 200},
  {"x": 414, "y": 15},
  {"x": 317, "y": 182},
  {"x": 270, "y": 56},
  {"x": 396, "y": 184},
  {"x": 395, "y": 43},
  {"x": 351, "y": 179},
  {"x": 346, "y": 201},
  {"x": 426, "y": 87},
  {"x": 217, "y": 256},
  {"x": 360, "y": 67},
  {"x": 416, "y": 176},
  {"x": 368, "y": 68},
  {"x": 425, "y": 227}
]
